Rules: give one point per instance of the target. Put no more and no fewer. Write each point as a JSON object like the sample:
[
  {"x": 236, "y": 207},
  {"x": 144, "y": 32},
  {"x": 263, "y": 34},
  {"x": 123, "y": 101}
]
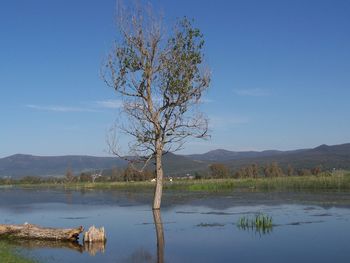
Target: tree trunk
[
  {"x": 28, "y": 231},
  {"x": 160, "y": 235},
  {"x": 159, "y": 173}
]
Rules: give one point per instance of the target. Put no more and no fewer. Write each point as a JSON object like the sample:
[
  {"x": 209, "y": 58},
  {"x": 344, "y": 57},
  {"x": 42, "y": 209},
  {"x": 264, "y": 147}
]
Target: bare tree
[
  {"x": 69, "y": 176},
  {"x": 160, "y": 79}
]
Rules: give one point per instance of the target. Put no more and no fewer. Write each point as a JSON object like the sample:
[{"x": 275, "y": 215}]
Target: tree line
[
  {"x": 130, "y": 174},
  {"x": 114, "y": 175},
  {"x": 219, "y": 170}
]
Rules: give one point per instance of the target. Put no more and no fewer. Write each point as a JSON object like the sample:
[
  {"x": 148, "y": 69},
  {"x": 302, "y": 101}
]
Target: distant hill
[
  {"x": 329, "y": 157},
  {"x": 221, "y": 155},
  {"x": 20, "y": 165},
  {"x": 180, "y": 165}
]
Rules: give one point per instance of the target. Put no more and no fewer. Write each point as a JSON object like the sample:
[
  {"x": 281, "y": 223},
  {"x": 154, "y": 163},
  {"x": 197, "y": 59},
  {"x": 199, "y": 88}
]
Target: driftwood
[{"x": 28, "y": 231}]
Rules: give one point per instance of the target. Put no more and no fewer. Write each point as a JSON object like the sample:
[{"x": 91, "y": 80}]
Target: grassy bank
[
  {"x": 9, "y": 254},
  {"x": 336, "y": 182}
]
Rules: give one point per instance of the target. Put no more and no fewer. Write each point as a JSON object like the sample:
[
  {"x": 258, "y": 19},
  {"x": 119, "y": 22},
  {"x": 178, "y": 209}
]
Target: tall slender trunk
[
  {"x": 160, "y": 235},
  {"x": 159, "y": 173}
]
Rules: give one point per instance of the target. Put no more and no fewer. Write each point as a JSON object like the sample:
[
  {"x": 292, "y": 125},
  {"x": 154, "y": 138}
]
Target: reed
[{"x": 260, "y": 223}]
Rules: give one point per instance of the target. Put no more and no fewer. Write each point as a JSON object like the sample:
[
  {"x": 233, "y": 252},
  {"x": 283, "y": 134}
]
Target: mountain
[
  {"x": 180, "y": 165},
  {"x": 20, "y": 165},
  {"x": 221, "y": 155},
  {"x": 329, "y": 157}
]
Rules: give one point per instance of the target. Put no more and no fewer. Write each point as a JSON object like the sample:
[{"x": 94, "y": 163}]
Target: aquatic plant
[{"x": 261, "y": 223}]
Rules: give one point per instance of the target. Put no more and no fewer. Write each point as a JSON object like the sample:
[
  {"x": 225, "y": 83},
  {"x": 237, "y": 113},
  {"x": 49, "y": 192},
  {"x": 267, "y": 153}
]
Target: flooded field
[{"x": 192, "y": 227}]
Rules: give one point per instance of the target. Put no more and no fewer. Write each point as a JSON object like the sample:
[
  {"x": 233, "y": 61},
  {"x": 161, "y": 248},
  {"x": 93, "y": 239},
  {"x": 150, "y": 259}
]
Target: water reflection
[
  {"x": 91, "y": 248},
  {"x": 39, "y": 244},
  {"x": 160, "y": 235},
  {"x": 94, "y": 247},
  {"x": 257, "y": 230},
  {"x": 133, "y": 233},
  {"x": 140, "y": 256}
]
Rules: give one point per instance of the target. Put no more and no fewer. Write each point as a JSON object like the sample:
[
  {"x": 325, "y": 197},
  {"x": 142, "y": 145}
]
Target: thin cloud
[
  {"x": 59, "y": 108},
  {"x": 109, "y": 104},
  {"x": 252, "y": 92}
]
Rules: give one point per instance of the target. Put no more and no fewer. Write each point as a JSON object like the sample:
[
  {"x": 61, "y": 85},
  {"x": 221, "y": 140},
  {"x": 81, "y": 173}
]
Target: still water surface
[{"x": 196, "y": 227}]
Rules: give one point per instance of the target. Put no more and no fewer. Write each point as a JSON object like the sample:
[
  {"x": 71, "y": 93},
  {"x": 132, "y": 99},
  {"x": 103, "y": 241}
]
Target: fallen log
[{"x": 29, "y": 231}]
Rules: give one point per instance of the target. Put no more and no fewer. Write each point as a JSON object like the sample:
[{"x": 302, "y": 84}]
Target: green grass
[
  {"x": 339, "y": 181},
  {"x": 261, "y": 223},
  {"x": 9, "y": 254}
]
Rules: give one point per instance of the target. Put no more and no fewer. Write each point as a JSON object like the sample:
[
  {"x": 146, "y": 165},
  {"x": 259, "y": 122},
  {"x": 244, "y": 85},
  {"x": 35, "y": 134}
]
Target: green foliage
[
  {"x": 31, "y": 179},
  {"x": 211, "y": 187},
  {"x": 336, "y": 181},
  {"x": 180, "y": 66}
]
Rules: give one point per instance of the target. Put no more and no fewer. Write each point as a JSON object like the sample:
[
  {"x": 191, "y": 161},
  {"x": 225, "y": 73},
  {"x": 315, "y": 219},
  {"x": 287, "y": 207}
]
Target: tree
[
  {"x": 255, "y": 168},
  {"x": 219, "y": 170},
  {"x": 69, "y": 176},
  {"x": 290, "y": 170},
  {"x": 85, "y": 177},
  {"x": 250, "y": 171},
  {"x": 160, "y": 80},
  {"x": 316, "y": 170},
  {"x": 273, "y": 170}
]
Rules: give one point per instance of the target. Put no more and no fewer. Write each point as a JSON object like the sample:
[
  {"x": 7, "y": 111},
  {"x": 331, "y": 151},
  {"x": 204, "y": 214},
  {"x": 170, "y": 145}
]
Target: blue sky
[{"x": 280, "y": 73}]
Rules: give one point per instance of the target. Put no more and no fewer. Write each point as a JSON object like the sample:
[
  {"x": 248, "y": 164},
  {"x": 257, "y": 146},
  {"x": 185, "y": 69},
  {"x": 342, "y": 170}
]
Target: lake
[{"x": 195, "y": 227}]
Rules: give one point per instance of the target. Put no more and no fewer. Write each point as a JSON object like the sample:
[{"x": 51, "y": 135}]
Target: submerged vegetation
[{"x": 260, "y": 223}]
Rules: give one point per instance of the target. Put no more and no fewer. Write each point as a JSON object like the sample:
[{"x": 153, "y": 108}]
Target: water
[{"x": 197, "y": 227}]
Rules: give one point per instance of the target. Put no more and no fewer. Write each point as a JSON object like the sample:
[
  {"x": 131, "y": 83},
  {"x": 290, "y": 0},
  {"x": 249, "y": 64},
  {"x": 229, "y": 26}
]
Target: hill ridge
[{"x": 327, "y": 156}]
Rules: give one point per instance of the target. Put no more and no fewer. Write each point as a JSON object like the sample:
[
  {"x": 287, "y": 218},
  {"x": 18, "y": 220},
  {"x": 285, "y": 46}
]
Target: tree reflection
[{"x": 160, "y": 235}]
